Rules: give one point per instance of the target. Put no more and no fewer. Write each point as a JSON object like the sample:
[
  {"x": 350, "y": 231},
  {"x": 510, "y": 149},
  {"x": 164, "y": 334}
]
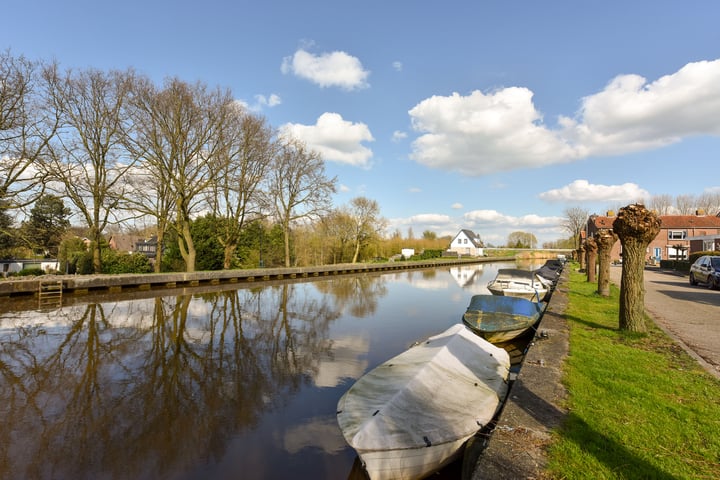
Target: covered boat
[
  {"x": 514, "y": 282},
  {"x": 411, "y": 415},
  {"x": 500, "y": 319}
]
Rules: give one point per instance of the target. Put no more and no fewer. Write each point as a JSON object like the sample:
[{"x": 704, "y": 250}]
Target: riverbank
[
  {"x": 641, "y": 407},
  {"x": 84, "y": 284}
]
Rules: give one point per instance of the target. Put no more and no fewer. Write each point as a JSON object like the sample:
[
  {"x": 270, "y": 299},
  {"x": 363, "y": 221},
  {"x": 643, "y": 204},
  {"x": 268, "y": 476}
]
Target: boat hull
[
  {"x": 410, "y": 416},
  {"x": 500, "y": 319}
]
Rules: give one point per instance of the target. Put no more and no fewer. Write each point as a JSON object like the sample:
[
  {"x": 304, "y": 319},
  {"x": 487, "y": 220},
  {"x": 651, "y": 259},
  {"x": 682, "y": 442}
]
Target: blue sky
[{"x": 489, "y": 115}]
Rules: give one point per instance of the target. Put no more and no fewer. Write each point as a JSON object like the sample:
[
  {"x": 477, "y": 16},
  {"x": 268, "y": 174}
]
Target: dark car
[{"x": 706, "y": 269}]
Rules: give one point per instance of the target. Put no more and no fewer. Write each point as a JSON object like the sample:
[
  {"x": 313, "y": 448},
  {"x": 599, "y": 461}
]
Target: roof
[
  {"x": 669, "y": 221},
  {"x": 472, "y": 236}
]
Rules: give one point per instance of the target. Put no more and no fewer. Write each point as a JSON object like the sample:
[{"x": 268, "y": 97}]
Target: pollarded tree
[
  {"x": 605, "y": 239},
  {"x": 636, "y": 226},
  {"x": 298, "y": 187},
  {"x": 591, "y": 249}
]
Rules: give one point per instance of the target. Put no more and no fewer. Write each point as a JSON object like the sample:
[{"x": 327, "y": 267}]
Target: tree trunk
[
  {"x": 581, "y": 257},
  {"x": 605, "y": 239},
  {"x": 636, "y": 227},
  {"x": 229, "y": 252},
  {"x": 187, "y": 247},
  {"x": 286, "y": 236},
  {"x": 159, "y": 250},
  {"x": 357, "y": 252},
  {"x": 591, "y": 248}
]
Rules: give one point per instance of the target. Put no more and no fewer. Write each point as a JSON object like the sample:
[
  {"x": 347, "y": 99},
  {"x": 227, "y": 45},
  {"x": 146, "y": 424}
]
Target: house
[
  {"x": 673, "y": 242},
  {"x": 466, "y": 242},
  {"x": 124, "y": 243},
  {"x": 134, "y": 244}
]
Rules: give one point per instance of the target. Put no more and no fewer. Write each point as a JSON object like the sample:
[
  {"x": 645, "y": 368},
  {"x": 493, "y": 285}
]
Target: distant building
[
  {"x": 135, "y": 244},
  {"x": 466, "y": 242},
  {"x": 673, "y": 242}
]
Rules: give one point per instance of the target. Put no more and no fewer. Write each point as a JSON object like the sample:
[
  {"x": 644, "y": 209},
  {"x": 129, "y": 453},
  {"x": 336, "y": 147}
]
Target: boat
[
  {"x": 500, "y": 319},
  {"x": 410, "y": 416},
  {"x": 514, "y": 282}
]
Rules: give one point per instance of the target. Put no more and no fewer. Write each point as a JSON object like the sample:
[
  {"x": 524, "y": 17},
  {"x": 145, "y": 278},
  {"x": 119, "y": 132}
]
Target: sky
[{"x": 489, "y": 115}]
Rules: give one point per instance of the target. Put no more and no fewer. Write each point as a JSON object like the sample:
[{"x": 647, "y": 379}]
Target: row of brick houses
[{"x": 679, "y": 236}]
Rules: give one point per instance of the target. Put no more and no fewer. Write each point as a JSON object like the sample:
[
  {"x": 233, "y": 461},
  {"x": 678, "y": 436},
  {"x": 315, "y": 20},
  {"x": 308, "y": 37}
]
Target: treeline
[{"x": 120, "y": 152}]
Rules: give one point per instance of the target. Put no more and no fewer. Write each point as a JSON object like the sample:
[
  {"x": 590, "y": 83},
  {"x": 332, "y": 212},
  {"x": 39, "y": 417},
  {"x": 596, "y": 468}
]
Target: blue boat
[{"x": 500, "y": 319}]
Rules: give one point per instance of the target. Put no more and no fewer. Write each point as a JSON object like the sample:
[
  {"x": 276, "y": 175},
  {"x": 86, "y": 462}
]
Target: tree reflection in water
[{"x": 151, "y": 388}]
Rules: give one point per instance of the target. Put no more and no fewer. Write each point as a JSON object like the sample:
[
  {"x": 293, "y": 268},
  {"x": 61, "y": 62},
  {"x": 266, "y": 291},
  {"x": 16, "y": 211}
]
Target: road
[{"x": 691, "y": 315}]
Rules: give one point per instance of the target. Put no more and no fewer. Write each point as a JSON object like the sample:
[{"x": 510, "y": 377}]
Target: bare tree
[
  {"x": 337, "y": 230},
  {"x": 27, "y": 123},
  {"x": 636, "y": 226},
  {"x": 574, "y": 222},
  {"x": 176, "y": 137},
  {"x": 367, "y": 223},
  {"x": 685, "y": 204},
  {"x": 662, "y": 204},
  {"x": 298, "y": 187},
  {"x": 88, "y": 158},
  {"x": 246, "y": 149},
  {"x": 709, "y": 202}
]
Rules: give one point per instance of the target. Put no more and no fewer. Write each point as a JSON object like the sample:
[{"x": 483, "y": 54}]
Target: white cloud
[
  {"x": 343, "y": 188},
  {"x": 484, "y": 133},
  {"x": 497, "y": 219},
  {"x": 398, "y": 136},
  {"x": 271, "y": 101},
  {"x": 415, "y": 190},
  {"x": 631, "y": 114},
  {"x": 494, "y": 227},
  {"x": 457, "y": 206},
  {"x": 334, "y": 69},
  {"x": 430, "y": 218},
  {"x": 584, "y": 191},
  {"x": 397, "y": 66},
  {"x": 337, "y": 140},
  {"x": 261, "y": 101}
]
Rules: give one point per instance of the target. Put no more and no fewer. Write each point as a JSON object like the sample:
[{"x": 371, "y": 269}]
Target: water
[{"x": 237, "y": 383}]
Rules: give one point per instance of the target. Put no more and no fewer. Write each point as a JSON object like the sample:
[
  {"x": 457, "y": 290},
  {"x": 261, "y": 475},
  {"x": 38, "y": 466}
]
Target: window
[
  {"x": 465, "y": 240},
  {"x": 677, "y": 234}
]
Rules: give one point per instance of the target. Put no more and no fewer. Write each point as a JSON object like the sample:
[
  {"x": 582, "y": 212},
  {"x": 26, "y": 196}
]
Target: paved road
[{"x": 691, "y": 315}]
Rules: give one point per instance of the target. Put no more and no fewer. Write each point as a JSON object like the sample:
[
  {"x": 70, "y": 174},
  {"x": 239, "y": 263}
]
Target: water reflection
[{"x": 236, "y": 383}]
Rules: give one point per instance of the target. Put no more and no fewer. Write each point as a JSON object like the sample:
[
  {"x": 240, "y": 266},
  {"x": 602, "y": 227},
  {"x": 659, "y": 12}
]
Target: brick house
[{"x": 673, "y": 242}]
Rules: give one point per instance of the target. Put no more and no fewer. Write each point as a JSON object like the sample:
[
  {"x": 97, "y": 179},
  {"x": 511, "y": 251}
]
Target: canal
[{"x": 234, "y": 382}]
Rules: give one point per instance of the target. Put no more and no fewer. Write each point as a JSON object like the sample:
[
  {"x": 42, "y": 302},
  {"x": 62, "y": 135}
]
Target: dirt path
[{"x": 691, "y": 315}]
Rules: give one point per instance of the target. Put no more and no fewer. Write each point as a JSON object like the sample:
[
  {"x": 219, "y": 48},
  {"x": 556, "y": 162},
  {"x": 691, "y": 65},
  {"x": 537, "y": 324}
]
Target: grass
[{"x": 639, "y": 406}]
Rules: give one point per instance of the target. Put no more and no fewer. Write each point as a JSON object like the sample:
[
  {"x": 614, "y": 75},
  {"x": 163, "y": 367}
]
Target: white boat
[
  {"x": 410, "y": 416},
  {"x": 514, "y": 282}
]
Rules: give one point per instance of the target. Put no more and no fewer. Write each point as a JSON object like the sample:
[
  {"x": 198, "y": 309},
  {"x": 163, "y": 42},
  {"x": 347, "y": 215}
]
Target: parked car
[{"x": 706, "y": 269}]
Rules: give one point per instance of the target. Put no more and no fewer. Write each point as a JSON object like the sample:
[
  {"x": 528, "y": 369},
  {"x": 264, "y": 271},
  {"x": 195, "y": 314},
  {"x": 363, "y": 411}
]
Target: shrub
[{"x": 26, "y": 272}]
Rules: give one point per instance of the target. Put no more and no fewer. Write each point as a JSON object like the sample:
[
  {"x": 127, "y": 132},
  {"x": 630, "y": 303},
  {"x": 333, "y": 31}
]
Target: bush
[
  {"x": 117, "y": 262},
  {"x": 32, "y": 271}
]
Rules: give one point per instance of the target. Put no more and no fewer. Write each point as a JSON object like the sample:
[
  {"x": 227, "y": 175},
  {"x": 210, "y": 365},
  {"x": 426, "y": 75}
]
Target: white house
[{"x": 466, "y": 242}]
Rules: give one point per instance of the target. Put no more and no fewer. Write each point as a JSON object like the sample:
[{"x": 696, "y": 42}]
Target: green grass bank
[{"x": 639, "y": 407}]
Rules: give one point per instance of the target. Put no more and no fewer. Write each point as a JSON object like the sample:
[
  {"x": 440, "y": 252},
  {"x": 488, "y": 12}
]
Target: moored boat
[
  {"x": 514, "y": 282},
  {"x": 500, "y": 319},
  {"x": 410, "y": 416}
]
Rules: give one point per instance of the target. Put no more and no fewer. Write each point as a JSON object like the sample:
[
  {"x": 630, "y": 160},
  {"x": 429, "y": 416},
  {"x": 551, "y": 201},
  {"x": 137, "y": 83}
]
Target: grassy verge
[{"x": 639, "y": 406}]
